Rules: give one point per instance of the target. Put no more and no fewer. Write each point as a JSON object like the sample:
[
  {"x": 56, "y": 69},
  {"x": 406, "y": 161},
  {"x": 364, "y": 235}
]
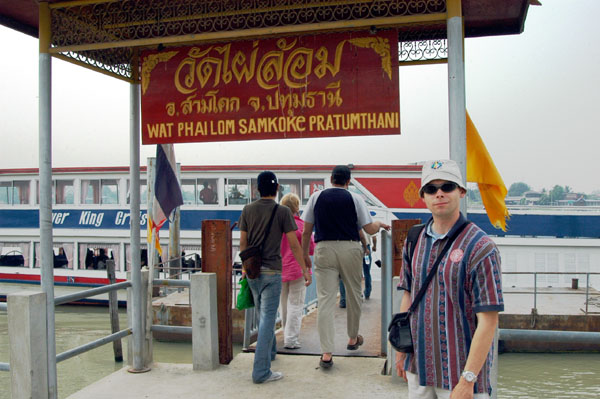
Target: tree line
[{"x": 548, "y": 197}]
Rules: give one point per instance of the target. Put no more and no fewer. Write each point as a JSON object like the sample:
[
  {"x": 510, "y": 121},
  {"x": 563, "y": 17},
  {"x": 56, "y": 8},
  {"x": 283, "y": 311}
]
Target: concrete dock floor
[{"x": 350, "y": 377}]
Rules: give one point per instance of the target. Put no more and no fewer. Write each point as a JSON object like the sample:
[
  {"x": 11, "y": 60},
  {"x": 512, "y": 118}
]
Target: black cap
[
  {"x": 341, "y": 174},
  {"x": 267, "y": 183}
]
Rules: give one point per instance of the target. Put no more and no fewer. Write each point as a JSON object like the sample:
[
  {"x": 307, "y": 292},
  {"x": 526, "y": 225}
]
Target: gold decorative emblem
[
  {"x": 150, "y": 62},
  {"x": 381, "y": 46},
  {"x": 411, "y": 193}
]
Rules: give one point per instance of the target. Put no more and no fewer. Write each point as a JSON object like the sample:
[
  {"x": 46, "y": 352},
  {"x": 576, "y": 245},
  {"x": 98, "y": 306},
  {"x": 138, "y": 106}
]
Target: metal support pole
[
  {"x": 397, "y": 296},
  {"x": 134, "y": 209},
  {"x": 535, "y": 291},
  {"x": 45, "y": 156},
  {"x": 386, "y": 287},
  {"x": 494, "y": 368},
  {"x": 175, "y": 260},
  {"x": 587, "y": 292},
  {"x": 456, "y": 90}
]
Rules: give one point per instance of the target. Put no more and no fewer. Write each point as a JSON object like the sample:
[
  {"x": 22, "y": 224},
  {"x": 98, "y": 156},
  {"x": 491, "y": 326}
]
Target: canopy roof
[{"x": 102, "y": 34}]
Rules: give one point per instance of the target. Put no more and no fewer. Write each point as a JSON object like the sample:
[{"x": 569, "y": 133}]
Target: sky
[{"x": 534, "y": 98}]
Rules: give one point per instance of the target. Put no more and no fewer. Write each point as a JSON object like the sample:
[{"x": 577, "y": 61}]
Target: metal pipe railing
[
  {"x": 4, "y": 306},
  {"x": 172, "y": 329},
  {"x": 536, "y": 292},
  {"x": 92, "y": 345},
  {"x": 386, "y": 286},
  {"x": 571, "y": 337},
  {"x": 61, "y": 300},
  {"x": 4, "y": 367},
  {"x": 172, "y": 283}
]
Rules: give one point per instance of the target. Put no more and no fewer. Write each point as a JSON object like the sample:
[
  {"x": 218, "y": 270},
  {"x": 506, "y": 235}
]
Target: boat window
[
  {"x": 237, "y": 191},
  {"x": 143, "y": 192},
  {"x": 14, "y": 192},
  {"x": 14, "y": 254},
  {"x": 207, "y": 191},
  {"x": 289, "y": 186},
  {"x": 90, "y": 191},
  {"x": 310, "y": 186},
  {"x": 94, "y": 256},
  {"x": 191, "y": 257},
  {"x": 143, "y": 256},
  {"x": 64, "y": 193},
  {"x": 188, "y": 191},
  {"x": 5, "y": 192},
  {"x": 62, "y": 253},
  {"x": 356, "y": 190},
  {"x": 110, "y": 191},
  {"x": 254, "y": 189}
]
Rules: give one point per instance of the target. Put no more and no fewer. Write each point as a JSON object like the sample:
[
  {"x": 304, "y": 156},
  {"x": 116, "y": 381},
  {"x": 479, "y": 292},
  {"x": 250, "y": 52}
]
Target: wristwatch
[{"x": 469, "y": 376}]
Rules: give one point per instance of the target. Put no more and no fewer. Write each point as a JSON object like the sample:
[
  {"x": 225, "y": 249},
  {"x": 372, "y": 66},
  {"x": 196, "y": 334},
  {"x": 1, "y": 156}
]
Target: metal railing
[
  {"x": 60, "y": 300},
  {"x": 169, "y": 328},
  {"x": 574, "y": 292}
]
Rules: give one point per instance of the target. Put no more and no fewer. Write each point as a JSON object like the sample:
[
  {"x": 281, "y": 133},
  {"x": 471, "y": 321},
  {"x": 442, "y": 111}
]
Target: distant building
[{"x": 532, "y": 197}]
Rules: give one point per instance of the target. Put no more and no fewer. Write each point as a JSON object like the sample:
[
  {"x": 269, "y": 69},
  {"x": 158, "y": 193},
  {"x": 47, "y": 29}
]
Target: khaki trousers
[{"x": 335, "y": 259}]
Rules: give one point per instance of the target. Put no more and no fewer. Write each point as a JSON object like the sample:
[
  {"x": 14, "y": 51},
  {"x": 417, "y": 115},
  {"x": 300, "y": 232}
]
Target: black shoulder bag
[
  {"x": 252, "y": 256},
  {"x": 399, "y": 329}
]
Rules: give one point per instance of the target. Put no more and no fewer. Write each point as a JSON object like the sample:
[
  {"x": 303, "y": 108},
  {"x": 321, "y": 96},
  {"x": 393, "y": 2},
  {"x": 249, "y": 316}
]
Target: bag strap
[
  {"x": 269, "y": 227},
  {"x": 412, "y": 237},
  {"x": 434, "y": 268}
]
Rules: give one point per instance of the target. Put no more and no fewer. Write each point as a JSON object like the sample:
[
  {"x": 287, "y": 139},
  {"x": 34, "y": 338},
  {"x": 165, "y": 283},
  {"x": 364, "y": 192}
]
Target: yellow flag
[
  {"x": 481, "y": 170},
  {"x": 151, "y": 226}
]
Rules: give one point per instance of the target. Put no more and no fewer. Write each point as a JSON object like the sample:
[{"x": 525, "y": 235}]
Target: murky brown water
[{"x": 526, "y": 376}]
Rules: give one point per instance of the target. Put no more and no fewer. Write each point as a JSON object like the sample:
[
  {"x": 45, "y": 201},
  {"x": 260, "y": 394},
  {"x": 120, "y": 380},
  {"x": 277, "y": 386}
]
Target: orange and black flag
[{"x": 481, "y": 170}]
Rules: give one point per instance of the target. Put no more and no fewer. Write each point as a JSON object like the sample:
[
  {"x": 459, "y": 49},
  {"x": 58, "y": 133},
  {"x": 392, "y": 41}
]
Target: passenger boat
[{"x": 91, "y": 215}]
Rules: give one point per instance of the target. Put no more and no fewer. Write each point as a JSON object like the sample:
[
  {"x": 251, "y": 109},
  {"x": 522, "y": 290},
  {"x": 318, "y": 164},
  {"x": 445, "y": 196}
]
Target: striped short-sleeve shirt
[{"x": 468, "y": 281}]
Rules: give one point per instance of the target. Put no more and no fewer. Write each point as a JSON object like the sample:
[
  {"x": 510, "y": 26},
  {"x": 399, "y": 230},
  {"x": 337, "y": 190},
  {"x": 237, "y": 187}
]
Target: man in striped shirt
[{"x": 454, "y": 324}]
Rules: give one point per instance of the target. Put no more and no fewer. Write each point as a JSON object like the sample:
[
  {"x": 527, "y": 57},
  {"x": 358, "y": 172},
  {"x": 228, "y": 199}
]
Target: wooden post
[
  {"x": 399, "y": 231},
  {"x": 216, "y": 258},
  {"x": 113, "y": 309}
]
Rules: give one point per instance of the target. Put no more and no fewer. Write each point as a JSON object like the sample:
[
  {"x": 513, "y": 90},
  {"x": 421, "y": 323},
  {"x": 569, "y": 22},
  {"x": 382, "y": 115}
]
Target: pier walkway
[
  {"x": 355, "y": 374},
  {"x": 350, "y": 377}
]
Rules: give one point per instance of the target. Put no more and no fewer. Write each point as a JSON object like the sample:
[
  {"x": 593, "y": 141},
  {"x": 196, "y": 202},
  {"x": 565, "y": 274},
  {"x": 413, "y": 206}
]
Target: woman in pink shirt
[{"x": 293, "y": 289}]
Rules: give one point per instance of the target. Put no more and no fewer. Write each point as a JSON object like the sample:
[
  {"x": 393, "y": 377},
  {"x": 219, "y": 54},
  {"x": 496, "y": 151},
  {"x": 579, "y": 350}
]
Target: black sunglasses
[{"x": 433, "y": 188}]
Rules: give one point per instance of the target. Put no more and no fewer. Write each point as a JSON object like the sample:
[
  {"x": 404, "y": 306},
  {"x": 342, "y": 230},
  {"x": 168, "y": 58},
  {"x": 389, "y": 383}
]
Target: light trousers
[
  {"x": 292, "y": 309},
  {"x": 416, "y": 391},
  {"x": 335, "y": 260}
]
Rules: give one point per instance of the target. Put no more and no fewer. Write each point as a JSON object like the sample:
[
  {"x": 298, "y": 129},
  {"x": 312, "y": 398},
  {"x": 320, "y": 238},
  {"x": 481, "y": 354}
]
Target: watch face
[{"x": 469, "y": 376}]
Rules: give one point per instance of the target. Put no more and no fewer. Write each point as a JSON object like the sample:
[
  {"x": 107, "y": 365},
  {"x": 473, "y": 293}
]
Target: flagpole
[{"x": 151, "y": 266}]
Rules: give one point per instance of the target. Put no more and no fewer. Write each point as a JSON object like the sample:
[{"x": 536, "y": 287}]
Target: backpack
[{"x": 411, "y": 239}]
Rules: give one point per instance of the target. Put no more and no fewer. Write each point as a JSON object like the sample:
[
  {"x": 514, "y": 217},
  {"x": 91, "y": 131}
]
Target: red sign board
[{"x": 337, "y": 84}]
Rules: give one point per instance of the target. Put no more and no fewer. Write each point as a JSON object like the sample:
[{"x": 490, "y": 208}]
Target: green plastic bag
[{"x": 245, "y": 300}]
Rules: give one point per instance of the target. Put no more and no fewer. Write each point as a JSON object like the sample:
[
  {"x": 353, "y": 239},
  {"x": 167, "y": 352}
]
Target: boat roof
[{"x": 217, "y": 168}]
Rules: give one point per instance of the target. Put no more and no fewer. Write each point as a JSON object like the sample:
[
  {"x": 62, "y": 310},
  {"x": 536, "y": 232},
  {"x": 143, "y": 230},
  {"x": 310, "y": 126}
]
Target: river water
[{"x": 527, "y": 376}]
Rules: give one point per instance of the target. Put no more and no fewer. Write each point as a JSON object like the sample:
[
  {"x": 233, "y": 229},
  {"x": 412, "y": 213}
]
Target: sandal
[
  {"x": 326, "y": 364},
  {"x": 359, "y": 341}
]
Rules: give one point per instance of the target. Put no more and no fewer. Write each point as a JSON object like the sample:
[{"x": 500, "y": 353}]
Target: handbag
[
  {"x": 252, "y": 256},
  {"x": 400, "y": 336},
  {"x": 245, "y": 300}
]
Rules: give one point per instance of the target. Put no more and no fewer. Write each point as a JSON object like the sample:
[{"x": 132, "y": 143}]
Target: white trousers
[
  {"x": 292, "y": 309},
  {"x": 416, "y": 391}
]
